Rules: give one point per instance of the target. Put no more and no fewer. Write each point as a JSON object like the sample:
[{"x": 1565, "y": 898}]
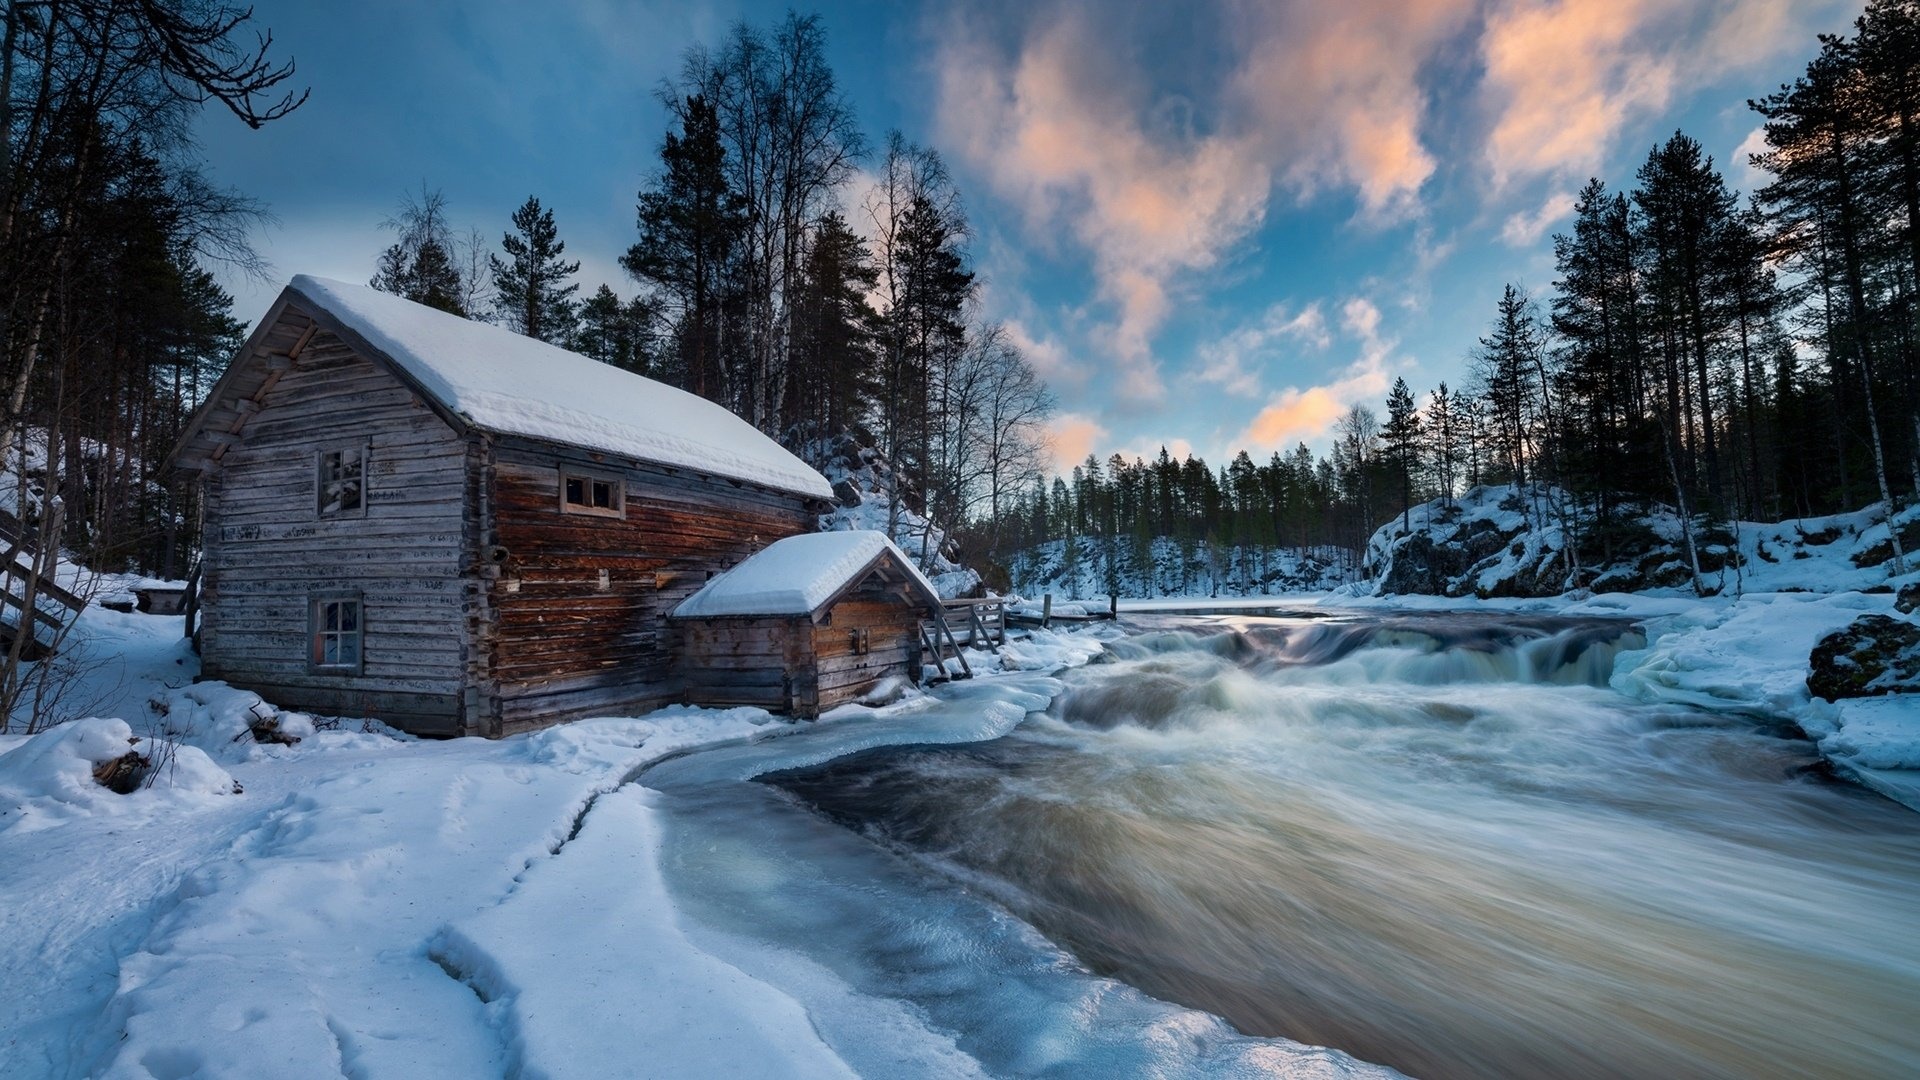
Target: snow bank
[
  {"x": 502, "y": 381},
  {"x": 301, "y": 948},
  {"x": 603, "y": 907},
  {"x": 49, "y": 777},
  {"x": 796, "y": 575}
]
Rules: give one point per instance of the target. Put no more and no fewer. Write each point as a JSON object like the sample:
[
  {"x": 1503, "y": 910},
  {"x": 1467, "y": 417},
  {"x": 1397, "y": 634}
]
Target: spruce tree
[
  {"x": 1402, "y": 436},
  {"x": 691, "y": 223},
  {"x": 531, "y": 292},
  {"x": 421, "y": 265},
  {"x": 835, "y": 332},
  {"x": 616, "y": 333}
]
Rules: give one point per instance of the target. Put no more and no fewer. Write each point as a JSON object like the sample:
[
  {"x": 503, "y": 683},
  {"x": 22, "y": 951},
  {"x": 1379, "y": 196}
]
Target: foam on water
[{"x": 1438, "y": 843}]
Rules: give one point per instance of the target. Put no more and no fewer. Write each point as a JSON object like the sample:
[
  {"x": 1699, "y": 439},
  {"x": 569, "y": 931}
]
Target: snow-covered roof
[
  {"x": 796, "y": 575},
  {"x": 505, "y": 382}
]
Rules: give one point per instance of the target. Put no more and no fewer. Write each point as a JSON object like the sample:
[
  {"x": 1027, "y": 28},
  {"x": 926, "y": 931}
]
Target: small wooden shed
[
  {"x": 462, "y": 531},
  {"x": 809, "y": 623}
]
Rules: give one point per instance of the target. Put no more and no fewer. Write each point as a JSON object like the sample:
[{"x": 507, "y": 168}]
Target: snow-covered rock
[
  {"x": 50, "y": 776},
  {"x": 1506, "y": 541},
  {"x": 864, "y": 485}
]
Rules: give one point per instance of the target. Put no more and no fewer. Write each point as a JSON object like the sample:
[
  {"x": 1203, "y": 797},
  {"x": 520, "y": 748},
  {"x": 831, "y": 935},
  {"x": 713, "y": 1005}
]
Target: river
[{"x": 1436, "y": 842}]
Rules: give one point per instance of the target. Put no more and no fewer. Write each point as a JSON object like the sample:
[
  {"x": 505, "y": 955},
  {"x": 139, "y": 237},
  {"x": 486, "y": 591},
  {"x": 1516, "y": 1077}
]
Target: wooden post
[
  {"x": 965, "y": 669},
  {"x": 1113, "y": 606},
  {"x": 1046, "y": 610},
  {"x": 1001, "y": 607}
]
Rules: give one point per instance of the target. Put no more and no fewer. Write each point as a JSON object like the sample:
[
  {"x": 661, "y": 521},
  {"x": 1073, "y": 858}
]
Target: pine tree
[
  {"x": 691, "y": 223},
  {"x": 422, "y": 264},
  {"x": 616, "y": 333},
  {"x": 1402, "y": 436},
  {"x": 531, "y": 292}
]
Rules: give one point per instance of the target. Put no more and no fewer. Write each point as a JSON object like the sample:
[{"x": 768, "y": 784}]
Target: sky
[{"x": 1211, "y": 226}]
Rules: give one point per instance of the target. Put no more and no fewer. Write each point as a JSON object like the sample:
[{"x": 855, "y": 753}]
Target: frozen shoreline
[{"x": 180, "y": 929}]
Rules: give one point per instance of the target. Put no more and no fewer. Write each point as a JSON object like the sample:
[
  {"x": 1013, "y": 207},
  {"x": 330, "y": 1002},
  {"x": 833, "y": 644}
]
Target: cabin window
[
  {"x": 587, "y": 493},
  {"x": 337, "y": 632},
  {"x": 341, "y": 490}
]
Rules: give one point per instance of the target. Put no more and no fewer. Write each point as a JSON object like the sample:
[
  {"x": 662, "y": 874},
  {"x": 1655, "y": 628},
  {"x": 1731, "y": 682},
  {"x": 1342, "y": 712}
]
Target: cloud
[
  {"x": 1049, "y": 358},
  {"x": 1524, "y": 229},
  {"x": 1740, "y": 168},
  {"x": 1335, "y": 94},
  {"x": 1072, "y": 437},
  {"x": 1298, "y": 413},
  {"x": 1565, "y": 77},
  {"x": 1154, "y": 185},
  {"x": 1148, "y": 450},
  {"x": 1062, "y": 136},
  {"x": 1235, "y": 362}
]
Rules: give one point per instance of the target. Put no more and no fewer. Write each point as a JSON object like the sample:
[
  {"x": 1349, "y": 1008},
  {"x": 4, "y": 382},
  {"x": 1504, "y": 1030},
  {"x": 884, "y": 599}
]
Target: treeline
[
  {"x": 769, "y": 281},
  {"x": 110, "y": 323},
  {"x": 1734, "y": 360}
]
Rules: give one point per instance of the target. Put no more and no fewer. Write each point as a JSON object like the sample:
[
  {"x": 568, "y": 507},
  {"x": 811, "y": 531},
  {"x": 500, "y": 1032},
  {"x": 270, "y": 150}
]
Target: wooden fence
[
  {"x": 28, "y": 593},
  {"x": 962, "y": 624}
]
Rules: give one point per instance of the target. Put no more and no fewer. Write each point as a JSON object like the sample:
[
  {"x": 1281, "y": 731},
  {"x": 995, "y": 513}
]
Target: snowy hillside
[
  {"x": 862, "y": 485},
  {"x": 1088, "y": 567},
  {"x": 1512, "y": 542}
]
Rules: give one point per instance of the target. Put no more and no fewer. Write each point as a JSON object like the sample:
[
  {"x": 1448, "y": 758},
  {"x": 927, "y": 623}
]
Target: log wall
[
  {"x": 560, "y": 638},
  {"x": 793, "y": 665},
  {"x": 841, "y": 673},
  {"x": 749, "y": 661},
  {"x": 487, "y": 608},
  {"x": 268, "y": 551}
]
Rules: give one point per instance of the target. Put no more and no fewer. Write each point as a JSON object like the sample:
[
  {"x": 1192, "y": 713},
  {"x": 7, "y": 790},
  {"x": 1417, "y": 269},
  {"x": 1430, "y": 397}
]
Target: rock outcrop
[{"x": 1877, "y": 654}]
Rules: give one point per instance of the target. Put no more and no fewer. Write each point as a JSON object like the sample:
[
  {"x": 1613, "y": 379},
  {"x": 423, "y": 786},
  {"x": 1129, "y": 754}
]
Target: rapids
[{"x": 1437, "y": 842}]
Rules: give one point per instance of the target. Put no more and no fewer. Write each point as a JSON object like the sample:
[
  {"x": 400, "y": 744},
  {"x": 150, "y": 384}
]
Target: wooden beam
[{"x": 306, "y": 336}]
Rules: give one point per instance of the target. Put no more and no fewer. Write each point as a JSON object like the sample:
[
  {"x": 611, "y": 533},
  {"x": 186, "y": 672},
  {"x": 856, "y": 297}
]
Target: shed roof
[
  {"x": 801, "y": 574},
  {"x": 496, "y": 380}
]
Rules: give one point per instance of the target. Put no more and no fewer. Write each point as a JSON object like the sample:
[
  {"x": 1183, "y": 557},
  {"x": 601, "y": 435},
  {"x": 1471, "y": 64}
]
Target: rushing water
[{"x": 1438, "y": 843}]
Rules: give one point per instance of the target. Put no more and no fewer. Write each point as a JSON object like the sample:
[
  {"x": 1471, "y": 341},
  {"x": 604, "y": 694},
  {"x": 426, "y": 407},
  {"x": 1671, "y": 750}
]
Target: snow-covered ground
[
  {"x": 362, "y": 903},
  {"x": 367, "y": 904}
]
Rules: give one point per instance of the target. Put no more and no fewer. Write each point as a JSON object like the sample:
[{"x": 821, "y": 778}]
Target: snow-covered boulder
[
  {"x": 1877, "y": 654},
  {"x": 864, "y": 486},
  {"x": 52, "y": 774}
]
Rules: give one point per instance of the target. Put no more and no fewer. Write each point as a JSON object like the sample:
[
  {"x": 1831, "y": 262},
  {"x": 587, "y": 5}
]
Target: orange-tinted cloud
[
  {"x": 1298, "y": 413},
  {"x": 1072, "y": 437},
  {"x": 1564, "y": 77},
  {"x": 1334, "y": 93},
  {"x": 1156, "y": 186}
]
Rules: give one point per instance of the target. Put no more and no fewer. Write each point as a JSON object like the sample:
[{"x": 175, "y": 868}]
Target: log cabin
[
  {"x": 459, "y": 530},
  {"x": 806, "y": 624}
]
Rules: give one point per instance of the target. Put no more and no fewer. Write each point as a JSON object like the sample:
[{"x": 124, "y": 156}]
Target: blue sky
[{"x": 1212, "y": 227}]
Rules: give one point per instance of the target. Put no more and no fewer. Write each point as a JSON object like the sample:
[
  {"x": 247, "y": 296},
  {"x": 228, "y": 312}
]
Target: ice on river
[{"x": 595, "y": 896}]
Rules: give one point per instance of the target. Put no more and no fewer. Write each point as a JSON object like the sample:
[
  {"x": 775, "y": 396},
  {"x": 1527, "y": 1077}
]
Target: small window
[
  {"x": 585, "y": 493},
  {"x": 341, "y": 490},
  {"x": 337, "y": 634}
]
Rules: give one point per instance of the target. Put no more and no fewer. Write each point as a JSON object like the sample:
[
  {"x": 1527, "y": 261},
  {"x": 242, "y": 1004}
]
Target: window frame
[
  {"x": 589, "y": 477},
  {"x": 320, "y": 512},
  {"x": 316, "y": 621}
]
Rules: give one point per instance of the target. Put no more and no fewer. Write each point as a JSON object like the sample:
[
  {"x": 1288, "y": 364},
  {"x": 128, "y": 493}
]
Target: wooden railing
[
  {"x": 978, "y": 621},
  {"x": 35, "y": 599}
]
